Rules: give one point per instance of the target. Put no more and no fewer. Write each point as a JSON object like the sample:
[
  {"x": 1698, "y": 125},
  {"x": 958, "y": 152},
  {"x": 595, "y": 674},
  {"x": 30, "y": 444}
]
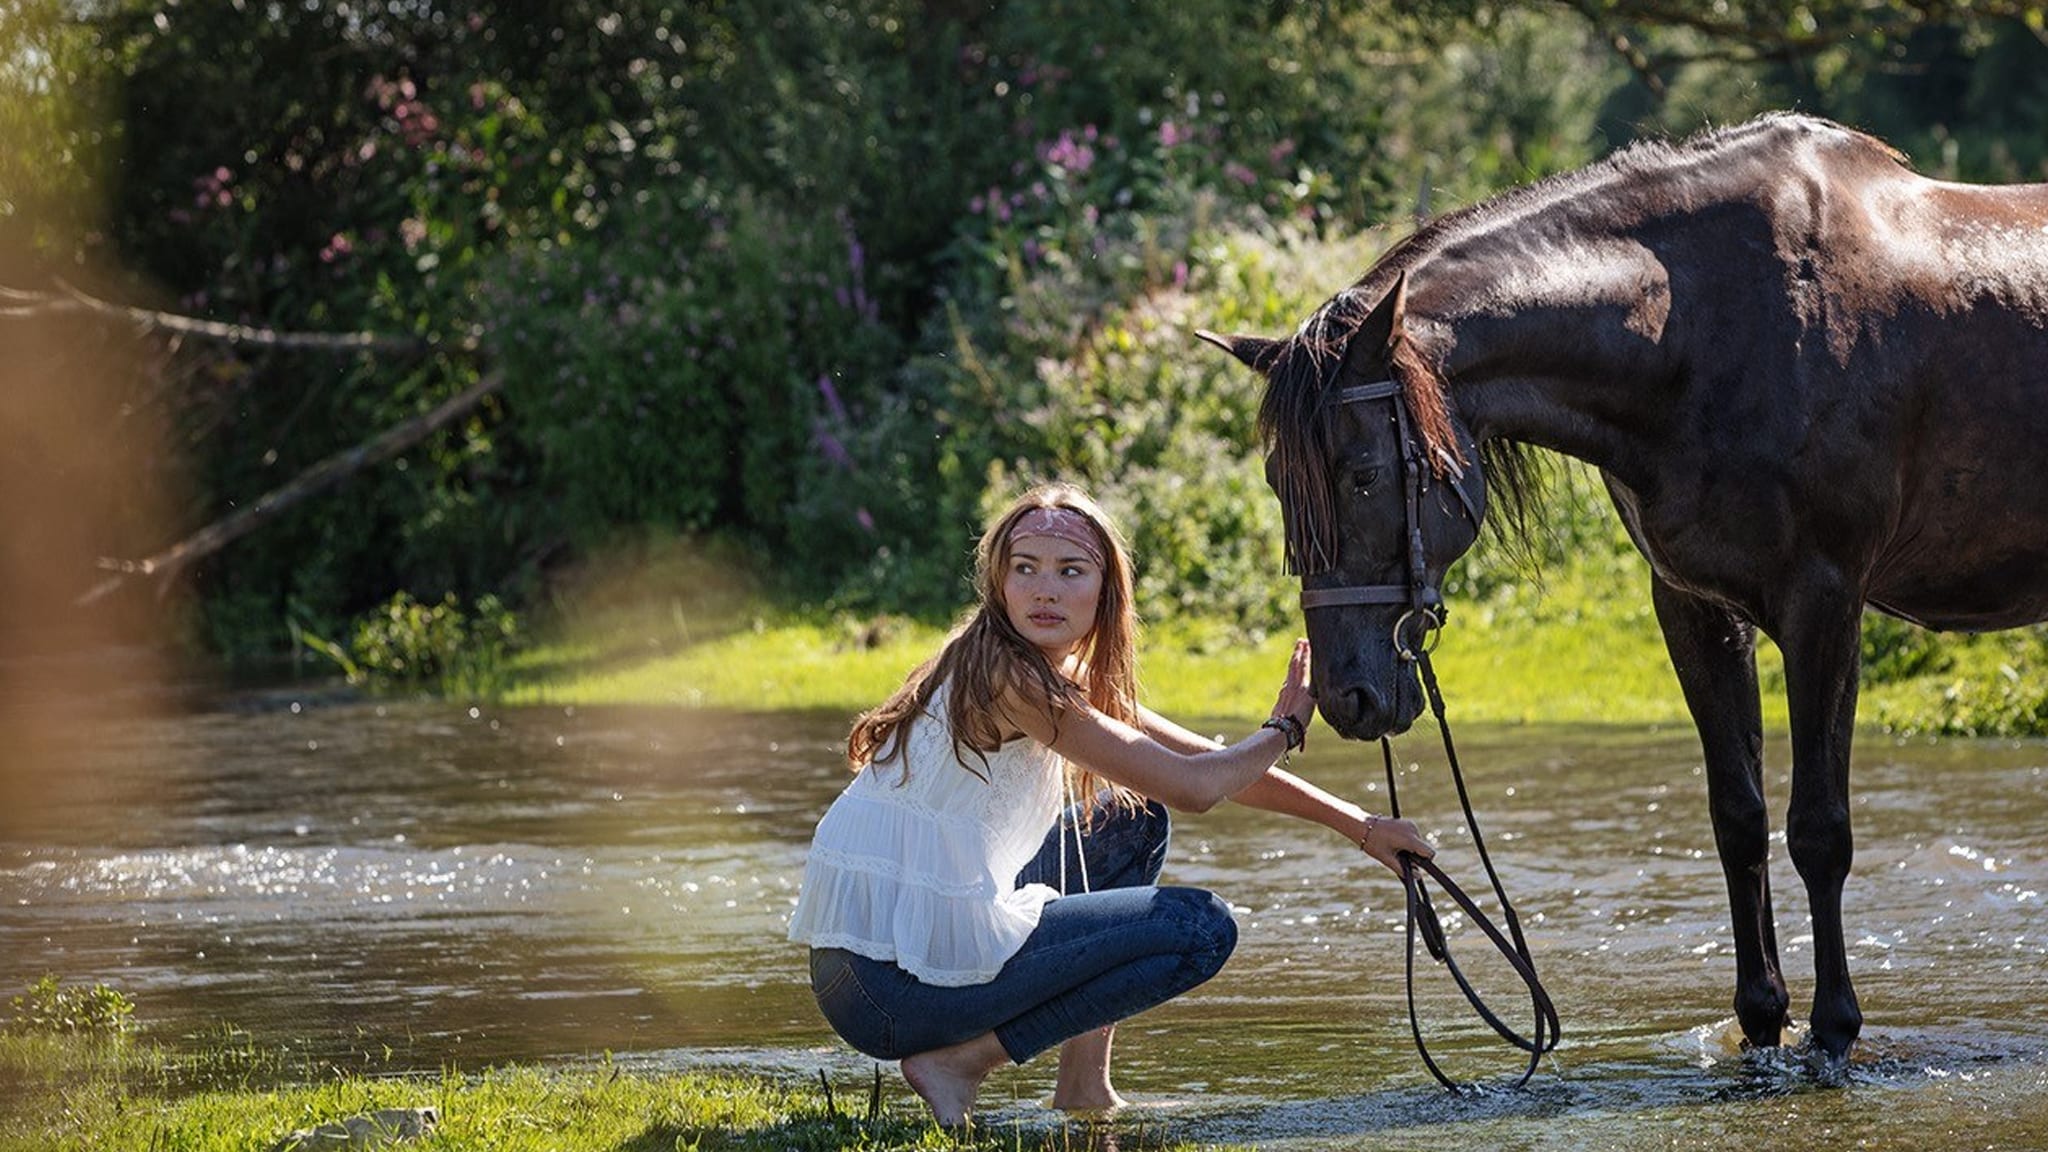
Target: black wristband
[{"x": 1288, "y": 727}]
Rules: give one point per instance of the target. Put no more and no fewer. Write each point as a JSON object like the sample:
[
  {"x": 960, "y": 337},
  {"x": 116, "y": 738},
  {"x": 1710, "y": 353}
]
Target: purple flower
[
  {"x": 831, "y": 396},
  {"x": 1070, "y": 154},
  {"x": 830, "y": 447},
  {"x": 866, "y": 521}
]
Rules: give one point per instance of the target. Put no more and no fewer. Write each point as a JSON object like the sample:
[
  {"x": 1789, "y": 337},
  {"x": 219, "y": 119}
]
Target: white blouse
[{"x": 923, "y": 871}]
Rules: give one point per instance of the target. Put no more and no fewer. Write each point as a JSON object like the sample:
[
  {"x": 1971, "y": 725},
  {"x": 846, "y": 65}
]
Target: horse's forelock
[{"x": 1290, "y": 425}]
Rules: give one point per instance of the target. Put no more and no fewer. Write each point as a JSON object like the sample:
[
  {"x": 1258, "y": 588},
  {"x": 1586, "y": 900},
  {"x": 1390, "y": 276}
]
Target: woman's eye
[{"x": 1070, "y": 572}]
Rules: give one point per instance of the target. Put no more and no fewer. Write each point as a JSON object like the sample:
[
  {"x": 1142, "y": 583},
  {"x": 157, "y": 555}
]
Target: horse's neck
[{"x": 1567, "y": 350}]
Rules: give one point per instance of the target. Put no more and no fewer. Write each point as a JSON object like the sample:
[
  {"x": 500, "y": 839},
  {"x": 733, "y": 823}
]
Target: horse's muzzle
[{"x": 1363, "y": 710}]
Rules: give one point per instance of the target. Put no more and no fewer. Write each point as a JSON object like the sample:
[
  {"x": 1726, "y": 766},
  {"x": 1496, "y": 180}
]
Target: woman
[{"x": 955, "y": 923}]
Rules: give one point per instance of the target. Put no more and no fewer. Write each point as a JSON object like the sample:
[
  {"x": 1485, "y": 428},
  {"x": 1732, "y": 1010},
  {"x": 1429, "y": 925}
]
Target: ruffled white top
[{"x": 922, "y": 871}]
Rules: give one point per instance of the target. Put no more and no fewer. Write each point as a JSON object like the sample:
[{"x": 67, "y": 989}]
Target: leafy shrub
[
  {"x": 691, "y": 370},
  {"x": 408, "y": 641},
  {"x": 1895, "y": 650},
  {"x": 50, "y": 1007},
  {"x": 1987, "y": 685}
]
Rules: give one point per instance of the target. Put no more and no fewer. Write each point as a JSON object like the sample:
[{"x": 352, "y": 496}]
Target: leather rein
[{"x": 1424, "y": 604}]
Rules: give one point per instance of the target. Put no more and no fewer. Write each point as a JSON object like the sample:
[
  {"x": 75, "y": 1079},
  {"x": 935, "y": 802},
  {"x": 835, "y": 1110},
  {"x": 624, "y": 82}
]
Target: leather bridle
[{"x": 1424, "y": 601}]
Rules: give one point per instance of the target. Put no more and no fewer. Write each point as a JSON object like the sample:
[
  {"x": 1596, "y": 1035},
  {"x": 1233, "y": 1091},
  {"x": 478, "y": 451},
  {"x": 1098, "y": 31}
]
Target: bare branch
[
  {"x": 320, "y": 477},
  {"x": 25, "y": 304}
]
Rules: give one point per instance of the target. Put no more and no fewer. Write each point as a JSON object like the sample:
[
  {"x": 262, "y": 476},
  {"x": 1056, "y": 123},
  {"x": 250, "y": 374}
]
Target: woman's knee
[
  {"x": 1136, "y": 841},
  {"x": 1211, "y": 930}
]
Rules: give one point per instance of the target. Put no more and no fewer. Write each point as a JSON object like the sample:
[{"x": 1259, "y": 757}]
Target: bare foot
[
  {"x": 1097, "y": 1099},
  {"x": 1083, "y": 1084},
  {"x": 946, "y": 1079}
]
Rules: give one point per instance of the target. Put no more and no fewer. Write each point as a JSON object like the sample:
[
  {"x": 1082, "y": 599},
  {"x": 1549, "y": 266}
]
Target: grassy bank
[
  {"x": 1578, "y": 646},
  {"x": 1579, "y": 650},
  {"x": 69, "y": 1094}
]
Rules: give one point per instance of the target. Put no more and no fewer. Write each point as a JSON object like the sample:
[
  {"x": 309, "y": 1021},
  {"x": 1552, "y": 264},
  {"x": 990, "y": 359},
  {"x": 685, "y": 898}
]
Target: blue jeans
[{"x": 1095, "y": 958}]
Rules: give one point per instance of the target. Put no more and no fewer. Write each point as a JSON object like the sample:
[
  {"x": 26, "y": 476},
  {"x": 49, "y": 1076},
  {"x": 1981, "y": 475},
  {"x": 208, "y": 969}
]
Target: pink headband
[{"x": 1059, "y": 523}]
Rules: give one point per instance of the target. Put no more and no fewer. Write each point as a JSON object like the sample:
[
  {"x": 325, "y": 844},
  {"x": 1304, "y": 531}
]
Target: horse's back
[
  {"x": 1949, "y": 309},
  {"x": 1889, "y": 342}
]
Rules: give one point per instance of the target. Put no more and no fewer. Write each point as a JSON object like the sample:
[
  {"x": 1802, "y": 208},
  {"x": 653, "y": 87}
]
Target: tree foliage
[{"x": 826, "y": 279}]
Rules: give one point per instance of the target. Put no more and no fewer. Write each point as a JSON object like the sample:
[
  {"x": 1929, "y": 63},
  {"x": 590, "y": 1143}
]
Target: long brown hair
[{"x": 985, "y": 656}]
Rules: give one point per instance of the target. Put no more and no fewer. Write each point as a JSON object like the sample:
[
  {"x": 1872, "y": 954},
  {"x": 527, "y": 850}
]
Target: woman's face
[{"x": 1051, "y": 590}]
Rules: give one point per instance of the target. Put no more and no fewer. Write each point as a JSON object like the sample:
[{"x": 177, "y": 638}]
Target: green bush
[
  {"x": 50, "y": 1007},
  {"x": 407, "y": 641},
  {"x": 1987, "y": 685}
]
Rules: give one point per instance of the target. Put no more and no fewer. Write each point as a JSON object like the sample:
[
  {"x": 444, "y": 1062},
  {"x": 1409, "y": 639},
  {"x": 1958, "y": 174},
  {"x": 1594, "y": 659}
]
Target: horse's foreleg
[
  {"x": 1821, "y": 638},
  {"x": 1714, "y": 654}
]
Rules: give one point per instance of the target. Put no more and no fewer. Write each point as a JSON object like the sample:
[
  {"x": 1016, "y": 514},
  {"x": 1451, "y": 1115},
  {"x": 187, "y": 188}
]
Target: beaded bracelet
[{"x": 1371, "y": 822}]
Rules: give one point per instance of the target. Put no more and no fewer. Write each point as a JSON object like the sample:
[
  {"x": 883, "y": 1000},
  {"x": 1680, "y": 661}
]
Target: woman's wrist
[
  {"x": 1372, "y": 822},
  {"x": 1288, "y": 727}
]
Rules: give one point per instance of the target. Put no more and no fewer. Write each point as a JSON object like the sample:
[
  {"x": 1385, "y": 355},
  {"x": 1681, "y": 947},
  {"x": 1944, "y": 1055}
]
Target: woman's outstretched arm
[
  {"x": 1190, "y": 779},
  {"x": 1279, "y": 790}
]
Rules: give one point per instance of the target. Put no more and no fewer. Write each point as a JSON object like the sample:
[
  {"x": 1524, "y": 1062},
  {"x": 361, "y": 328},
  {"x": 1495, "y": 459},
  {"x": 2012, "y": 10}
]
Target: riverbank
[
  {"x": 1580, "y": 645},
  {"x": 74, "y": 1094},
  {"x": 1578, "y": 650}
]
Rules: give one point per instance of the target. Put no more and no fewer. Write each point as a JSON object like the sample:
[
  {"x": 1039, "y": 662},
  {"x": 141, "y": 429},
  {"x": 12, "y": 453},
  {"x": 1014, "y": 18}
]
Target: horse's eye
[{"x": 1363, "y": 478}]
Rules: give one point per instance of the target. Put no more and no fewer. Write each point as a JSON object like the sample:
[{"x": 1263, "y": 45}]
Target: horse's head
[{"x": 1380, "y": 487}]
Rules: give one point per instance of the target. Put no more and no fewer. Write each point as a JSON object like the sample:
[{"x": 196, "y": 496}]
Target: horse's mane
[
  {"x": 1300, "y": 369},
  {"x": 1706, "y": 152}
]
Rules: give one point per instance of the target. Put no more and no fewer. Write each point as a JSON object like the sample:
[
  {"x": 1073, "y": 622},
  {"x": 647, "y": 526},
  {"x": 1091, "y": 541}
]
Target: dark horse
[{"x": 1811, "y": 379}]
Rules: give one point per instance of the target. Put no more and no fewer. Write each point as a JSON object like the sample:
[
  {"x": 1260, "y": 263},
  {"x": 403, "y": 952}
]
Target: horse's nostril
[
  {"x": 1356, "y": 704},
  {"x": 1371, "y": 705}
]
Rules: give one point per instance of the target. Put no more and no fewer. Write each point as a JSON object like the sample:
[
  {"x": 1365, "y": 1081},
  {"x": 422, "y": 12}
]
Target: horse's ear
[
  {"x": 1257, "y": 352},
  {"x": 1375, "y": 337}
]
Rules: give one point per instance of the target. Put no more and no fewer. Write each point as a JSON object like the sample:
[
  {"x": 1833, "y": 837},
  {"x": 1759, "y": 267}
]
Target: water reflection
[{"x": 468, "y": 886}]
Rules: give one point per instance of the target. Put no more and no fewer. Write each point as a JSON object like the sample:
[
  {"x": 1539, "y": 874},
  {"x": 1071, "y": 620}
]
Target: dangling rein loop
[{"x": 1423, "y": 920}]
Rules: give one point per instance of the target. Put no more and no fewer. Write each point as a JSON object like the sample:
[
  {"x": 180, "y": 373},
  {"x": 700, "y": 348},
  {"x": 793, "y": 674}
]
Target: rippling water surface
[{"x": 469, "y": 886}]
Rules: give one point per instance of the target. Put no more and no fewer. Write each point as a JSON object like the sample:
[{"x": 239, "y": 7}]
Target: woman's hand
[
  {"x": 1297, "y": 696},
  {"x": 1385, "y": 838}
]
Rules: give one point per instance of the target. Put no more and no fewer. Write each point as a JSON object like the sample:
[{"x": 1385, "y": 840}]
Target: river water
[{"x": 456, "y": 886}]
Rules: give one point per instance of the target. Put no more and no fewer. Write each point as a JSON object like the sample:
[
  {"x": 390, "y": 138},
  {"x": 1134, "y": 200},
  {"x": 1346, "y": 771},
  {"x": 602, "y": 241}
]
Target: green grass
[
  {"x": 669, "y": 627},
  {"x": 784, "y": 665},
  {"x": 67, "y": 1095},
  {"x": 1571, "y": 653}
]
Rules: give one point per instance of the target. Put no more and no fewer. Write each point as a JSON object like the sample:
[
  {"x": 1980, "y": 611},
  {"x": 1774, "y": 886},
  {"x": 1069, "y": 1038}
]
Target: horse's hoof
[{"x": 1829, "y": 1069}]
